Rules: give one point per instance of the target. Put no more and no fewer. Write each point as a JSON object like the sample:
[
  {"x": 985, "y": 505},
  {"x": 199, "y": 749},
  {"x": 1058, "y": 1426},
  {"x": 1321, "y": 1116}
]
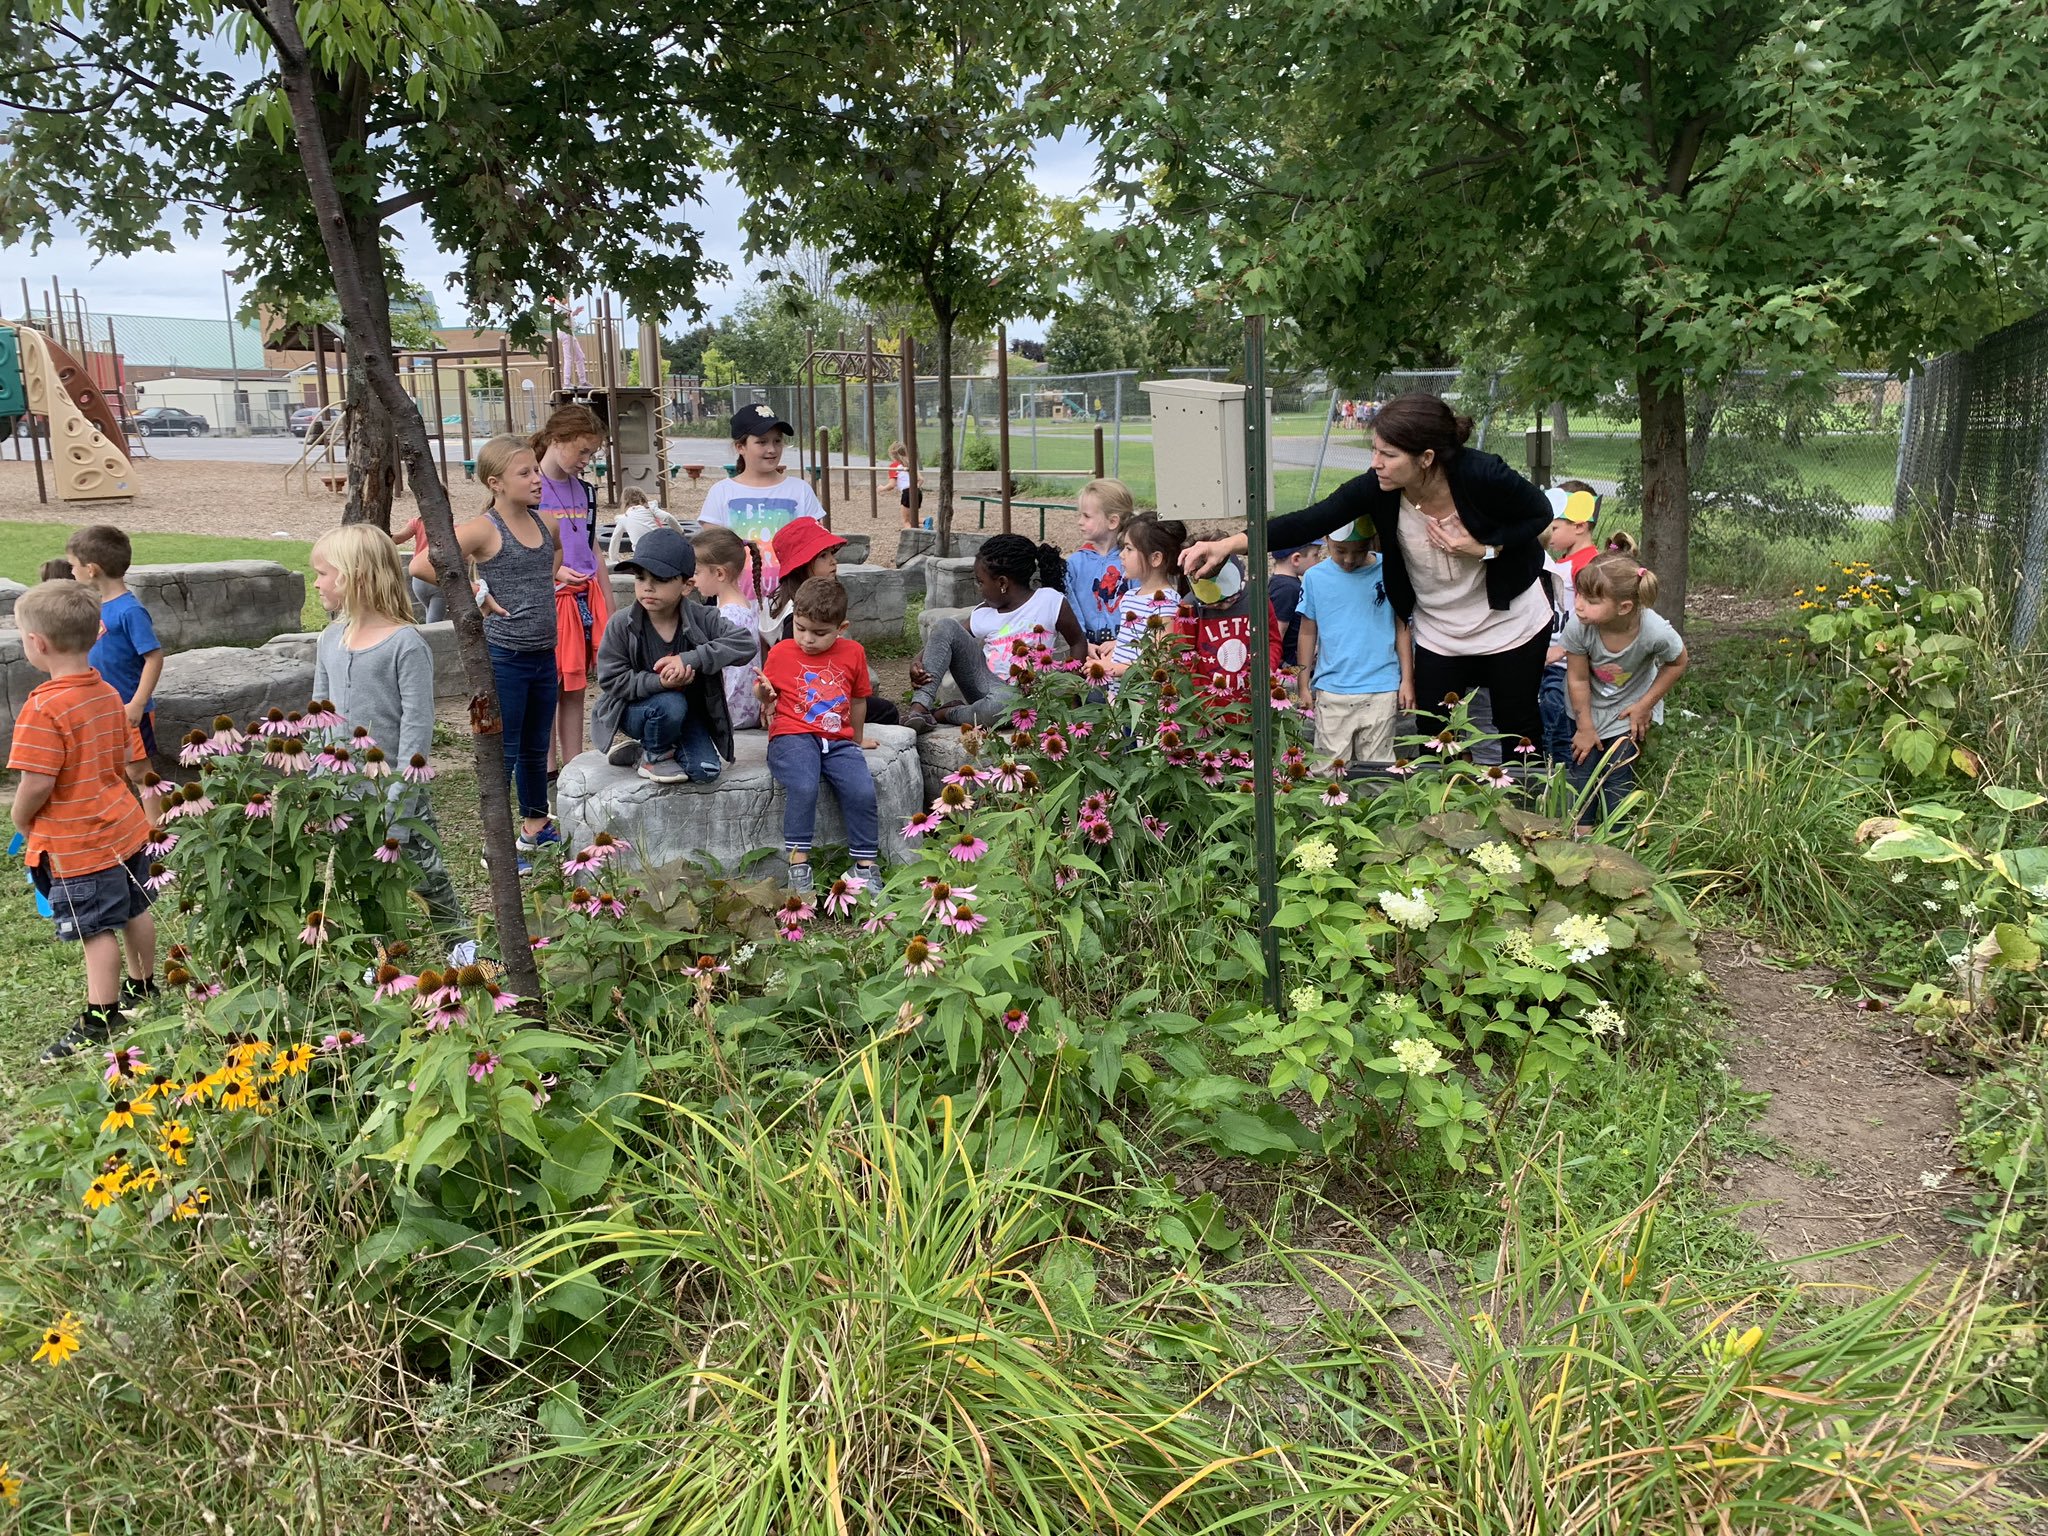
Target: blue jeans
[
  {"x": 1556, "y": 706},
  {"x": 798, "y": 763},
  {"x": 527, "y": 686},
  {"x": 1611, "y": 771},
  {"x": 667, "y": 729}
]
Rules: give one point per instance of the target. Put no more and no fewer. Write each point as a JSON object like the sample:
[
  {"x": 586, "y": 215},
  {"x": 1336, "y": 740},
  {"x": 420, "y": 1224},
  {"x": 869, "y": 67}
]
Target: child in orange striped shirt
[{"x": 72, "y": 746}]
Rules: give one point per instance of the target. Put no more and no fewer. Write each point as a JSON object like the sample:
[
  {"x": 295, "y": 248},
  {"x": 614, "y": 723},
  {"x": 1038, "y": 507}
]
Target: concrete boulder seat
[
  {"x": 241, "y": 682},
  {"x": 920, "y": 544},
  {"x": 721, "y": 823},
  {"x": 949, "y": 583}
]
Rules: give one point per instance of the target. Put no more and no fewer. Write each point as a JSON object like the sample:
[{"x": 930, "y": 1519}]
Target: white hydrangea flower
[
  {"x": 1396, "y": 1002},
  {"x": 1968, "y": 909},
  {"x": 1951, "y": 886},
  {"x": 1932, "y": 906},
  {"x": 1418, "y": 1057},
  {"x": 1898, "y": 877},
  {"x": 1583, "y": 936},
  {"x": 1412, "y": 911},
  {"x": 1315, "y": 856},
  {"x": 1305, "y": 998},
  {"x": 1604, "y": 1019},
  {"x": 744, "y": 953},
  {"x": 1497, "y": 858},
  {"x": 1517, "y": 946}
]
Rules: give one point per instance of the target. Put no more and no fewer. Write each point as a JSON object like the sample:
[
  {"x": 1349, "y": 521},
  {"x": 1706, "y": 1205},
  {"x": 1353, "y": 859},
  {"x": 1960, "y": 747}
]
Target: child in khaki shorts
[{"x": 1357, "y": 662}]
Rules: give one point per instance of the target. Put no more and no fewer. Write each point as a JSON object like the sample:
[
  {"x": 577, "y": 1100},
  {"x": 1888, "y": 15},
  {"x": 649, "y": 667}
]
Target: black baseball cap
[
  {"x": 661, "y": 553},
  {"x": 757, "y": 421}
]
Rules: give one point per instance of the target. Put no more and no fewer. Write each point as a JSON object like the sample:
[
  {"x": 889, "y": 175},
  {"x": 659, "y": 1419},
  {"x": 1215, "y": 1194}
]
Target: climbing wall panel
[{"x": 87, "y": 466}]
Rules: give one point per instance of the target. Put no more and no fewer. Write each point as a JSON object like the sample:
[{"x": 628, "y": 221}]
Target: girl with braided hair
[{"x": 1023, "y": 614}]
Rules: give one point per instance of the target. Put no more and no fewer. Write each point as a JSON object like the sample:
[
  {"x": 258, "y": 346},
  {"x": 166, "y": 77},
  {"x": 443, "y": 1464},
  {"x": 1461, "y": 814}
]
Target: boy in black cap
[
  {"x": 658, "y": 666},
  {"x": 1283, "y": 589},
  {"x": 757, "y": 502}
]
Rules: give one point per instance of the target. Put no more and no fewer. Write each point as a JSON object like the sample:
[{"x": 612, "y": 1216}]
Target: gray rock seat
[{"x": 243, "y": 683}]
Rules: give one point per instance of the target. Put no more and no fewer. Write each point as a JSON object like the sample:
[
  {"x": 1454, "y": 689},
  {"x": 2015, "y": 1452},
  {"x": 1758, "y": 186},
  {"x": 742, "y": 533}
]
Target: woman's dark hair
[
  {"x": 1014, "y": 556},
  {"x": 1422, "y": 423}
]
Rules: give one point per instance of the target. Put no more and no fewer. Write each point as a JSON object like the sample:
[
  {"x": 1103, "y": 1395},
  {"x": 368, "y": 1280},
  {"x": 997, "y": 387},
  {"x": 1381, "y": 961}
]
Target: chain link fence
[{"x": 1973, "y": 471}]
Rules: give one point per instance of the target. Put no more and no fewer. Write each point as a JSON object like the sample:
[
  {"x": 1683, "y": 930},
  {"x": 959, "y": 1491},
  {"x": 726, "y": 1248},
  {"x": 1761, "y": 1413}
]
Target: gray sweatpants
[{"x": 949, "y": 650}]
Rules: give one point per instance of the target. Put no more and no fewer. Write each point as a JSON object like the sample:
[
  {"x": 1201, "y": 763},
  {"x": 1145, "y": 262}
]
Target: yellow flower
[
  {"x": 103, "y": 1192},
  {"x": 149, "y": 1178},
  {"x": 174, "y": 1141},
  {"x": 246, "y": 1054},
  {"x": 162, "y": 1086},
  {"x": 1734, "y": 1346},
  {"x": 265, "y": 1103},
  {"x": 187, "y": 1209},
  {"x": 237, "y": 1093},
  {"x": 200, "y": 1089},
  {"x": 123, "y": 1114},
  {"x": 292, "y": 1060},
  {"x": 1818, "y": 590},
  {"x": 10, "y": 1486},
  {"x": 60, "y": 1341}
]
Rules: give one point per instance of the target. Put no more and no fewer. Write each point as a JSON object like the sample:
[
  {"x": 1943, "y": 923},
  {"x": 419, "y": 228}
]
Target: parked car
[
  {"x": 169, "y": 421},
  {"x": 307, "y": 418}
]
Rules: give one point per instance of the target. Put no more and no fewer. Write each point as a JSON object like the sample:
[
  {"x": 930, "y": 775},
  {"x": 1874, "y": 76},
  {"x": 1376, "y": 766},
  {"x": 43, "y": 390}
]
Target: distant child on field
[
  {"x": 904, "y": 478},
  {"x": 1571, "y": 544},
  {"x": 376, "y": 669},
  {"x": 57, "y": 570},
  {"x": 74, "y": 747},
  {"x": 517, "y": 557},
  {"x": 1624, "y": 657},
  {"x": 1283, "y": 590},
  {"x": 126, "y": 653},
  {"x": 660, "y": 670},
  {"x": 1357, "y": 657},
  {"x": 1095, "y": 580},
  {"x": 638, "y": 517},
  {"x": 1016, "y": 625},
  {"x": 1149, "y": 551},
  {"x": 814, "y": 693},
  {"x": 724, "y": 561},
  {"x": 757, "y": 500}
]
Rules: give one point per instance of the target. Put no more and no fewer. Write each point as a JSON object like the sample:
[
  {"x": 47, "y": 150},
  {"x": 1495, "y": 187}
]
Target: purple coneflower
[
  {"x": 966, "y": 775},
  {"x": 965, "y": 919},
  {"x": 1006, "y": 776},
  {"x": 1526, "y": 748},
  {"x": 1081, "y": 730},
  {"x": 419, "y": 770},
  {"x": 360, "y": 739},
  {"x": 967, "y": 848},
  {"x": 321, "y": 715},
  {"x": 375, "y": 764},
  {"x": 1333, "y": 794},
  {"x": 259, "y": 807},
  {"x": 587, "y": 862},
  {"x": 1156, "y": 827},
  {"x": 193, "y": 749},
  {"x": 391, "y": 981},
  {"x": 274, "y": 725},
  {"x": 1016, "y": 1020},
  {"x": 1064, "y": 876},
  {"x": 941, "y": 897},
  {"x": 339, "y": 825},
  {"x": 1053, "y": 745},
  {"x": 160, "y": 878},
  {"x": 1497, "y": 775},
  {"x": 1099, "y": 831},
  {"x": 1024, "y": 720},
  {"x": 706, "y": 966},
  {"x": 161, "y": 847},
  {"x": 225, "y": 738},
  {"x": 483, "y": 1064},
  {"x": 879, "y": 922},
  {"x": 315, "y": 931},
  {"x": 335, "y": 759},
  {"x": 342, "y": 1040},
  {"x": 844, "y": 895},
  {"x": 923, "y": 822},
  {"x": 921, "y": 957},
  {"x": 387, "y": 851},
  {"x": 125, "y": 1062}
]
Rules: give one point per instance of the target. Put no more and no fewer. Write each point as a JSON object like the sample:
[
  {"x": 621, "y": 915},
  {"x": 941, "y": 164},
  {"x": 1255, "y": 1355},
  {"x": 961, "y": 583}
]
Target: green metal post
[{"x": 1264, "y": 840}]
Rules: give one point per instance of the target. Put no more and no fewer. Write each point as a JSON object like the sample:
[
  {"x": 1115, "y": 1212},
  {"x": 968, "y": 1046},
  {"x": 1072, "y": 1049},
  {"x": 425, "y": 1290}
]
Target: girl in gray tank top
[{"x": 522, "y": 581}]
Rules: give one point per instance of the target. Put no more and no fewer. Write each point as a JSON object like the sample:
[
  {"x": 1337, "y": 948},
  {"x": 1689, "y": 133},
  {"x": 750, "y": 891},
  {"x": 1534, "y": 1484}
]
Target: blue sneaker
[{"x": 551, "y": 833}]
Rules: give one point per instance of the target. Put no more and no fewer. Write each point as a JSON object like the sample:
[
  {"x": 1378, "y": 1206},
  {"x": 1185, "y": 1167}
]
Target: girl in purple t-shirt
[{"x": 565, "y": 447}]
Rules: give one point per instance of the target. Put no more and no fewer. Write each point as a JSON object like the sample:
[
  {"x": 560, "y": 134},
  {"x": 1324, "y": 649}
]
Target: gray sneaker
[
  {"x": 802, "y": 879},
  {"x": 663, "y": 770},
  {"x": 624, "y": 753}
]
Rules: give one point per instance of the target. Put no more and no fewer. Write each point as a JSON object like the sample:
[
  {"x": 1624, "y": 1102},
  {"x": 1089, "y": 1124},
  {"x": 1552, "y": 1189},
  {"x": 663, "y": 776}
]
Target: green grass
[
  {"x": 25, "y": 546},
  {"x": 1861, "y": 466}
]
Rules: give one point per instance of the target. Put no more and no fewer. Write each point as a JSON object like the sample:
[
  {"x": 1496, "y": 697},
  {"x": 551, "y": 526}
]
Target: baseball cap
[
  {"x": 1573, "y": 506},
  {"x": 800, "y": 541},
  {"x": 661, "y": 553},
  {"x": 758, "y": 421}
]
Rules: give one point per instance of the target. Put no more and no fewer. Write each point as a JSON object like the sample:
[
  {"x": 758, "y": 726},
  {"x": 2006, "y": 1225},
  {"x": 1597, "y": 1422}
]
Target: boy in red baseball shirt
[
  {"x": 814, "y": 696},
  {"x": 73, "y": 745}
]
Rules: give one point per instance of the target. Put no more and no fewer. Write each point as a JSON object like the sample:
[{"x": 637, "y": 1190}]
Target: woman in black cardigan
[{"x": 1460, "y": 538}]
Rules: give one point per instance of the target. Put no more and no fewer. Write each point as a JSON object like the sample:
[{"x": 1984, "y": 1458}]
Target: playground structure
[{"x": 88, "y": 449}]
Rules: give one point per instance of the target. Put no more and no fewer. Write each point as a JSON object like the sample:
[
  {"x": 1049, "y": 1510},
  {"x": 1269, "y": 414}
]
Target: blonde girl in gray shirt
[{"x": 1621, "y": 658}]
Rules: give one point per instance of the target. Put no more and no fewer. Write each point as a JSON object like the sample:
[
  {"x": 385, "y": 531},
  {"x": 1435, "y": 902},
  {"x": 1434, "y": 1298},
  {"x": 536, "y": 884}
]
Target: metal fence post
[
  {"x": 1264, "y": 839},
  {"x": 1116, "y": 457},
  {"x": 1322, "y": 450}
]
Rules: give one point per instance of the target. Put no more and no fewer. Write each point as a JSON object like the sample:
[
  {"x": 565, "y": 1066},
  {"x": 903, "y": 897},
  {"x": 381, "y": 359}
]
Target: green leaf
[
  {"x": 1914, "y": 843},
  {"x": 2013, "y": 799},
  {"x": 2012, "y": 949},
  {"x": 1249, "y": 1136},
  {"x": 578, "y": 1162}
]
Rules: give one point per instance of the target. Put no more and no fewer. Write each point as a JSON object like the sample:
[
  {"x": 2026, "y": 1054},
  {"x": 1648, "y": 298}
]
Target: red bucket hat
[{"x": 800, "y": 541}]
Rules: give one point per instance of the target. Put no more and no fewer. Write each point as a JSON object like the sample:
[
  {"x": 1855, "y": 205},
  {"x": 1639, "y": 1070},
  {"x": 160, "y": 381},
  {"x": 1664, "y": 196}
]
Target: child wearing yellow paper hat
[{"x": 1572, "y": 545}]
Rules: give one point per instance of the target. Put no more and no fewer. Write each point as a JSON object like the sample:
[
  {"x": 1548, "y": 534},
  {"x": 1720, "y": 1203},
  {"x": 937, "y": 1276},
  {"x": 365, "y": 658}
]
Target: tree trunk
[
  {"x": 1560, "y": 431},
  {"x": 372, "y": 449},
  {"x": 1667, "y": 489},
  {"x": 369, "y": 348},
  {"x": 943, "y": 519}
]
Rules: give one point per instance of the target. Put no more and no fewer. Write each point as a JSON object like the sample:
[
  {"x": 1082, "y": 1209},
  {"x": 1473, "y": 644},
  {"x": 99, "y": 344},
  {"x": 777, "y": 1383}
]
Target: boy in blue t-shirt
[
  {"x": 126, "y": 655},
  {"x": 1357, "y": 661}
]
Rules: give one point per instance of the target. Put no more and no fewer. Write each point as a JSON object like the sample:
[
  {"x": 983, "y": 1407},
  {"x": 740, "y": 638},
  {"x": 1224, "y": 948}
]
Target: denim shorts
[{"x": 86, "y": 906}]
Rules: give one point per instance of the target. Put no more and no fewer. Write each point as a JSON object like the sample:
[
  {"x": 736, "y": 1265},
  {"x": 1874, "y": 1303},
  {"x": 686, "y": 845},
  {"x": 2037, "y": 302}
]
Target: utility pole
[{"x": 234, "y": 365}]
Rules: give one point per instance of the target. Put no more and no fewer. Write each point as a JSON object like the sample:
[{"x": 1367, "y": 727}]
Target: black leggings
[{"x": 1513, "y": 678}]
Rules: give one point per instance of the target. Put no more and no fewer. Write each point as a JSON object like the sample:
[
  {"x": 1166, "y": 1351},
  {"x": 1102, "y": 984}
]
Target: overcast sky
[{"x": 187, "y": 281}]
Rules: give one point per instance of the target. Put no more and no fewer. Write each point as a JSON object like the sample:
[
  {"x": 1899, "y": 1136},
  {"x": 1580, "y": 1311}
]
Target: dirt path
[{"x": 1858, "y": 1120}]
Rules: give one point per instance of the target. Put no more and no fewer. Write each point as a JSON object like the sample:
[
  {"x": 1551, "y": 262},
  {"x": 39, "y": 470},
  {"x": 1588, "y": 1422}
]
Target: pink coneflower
[
  {"x": 274, "y": 725},
  {"x": 790, "y": 933},
  {"x": 1099, "y": 831},
  {"x": 965, "y": 919},
  {"x": 941, "y": 896},
  {"x": 879, "y": 922},
  {"x": 609, "y": 905},
  {"x": 1053, "y": 745},
  {"x": 1212, "y": 769},
  {"x": 1497, "y": 775},
  {"x": 419, "y": 770},
  {"x": 500, "y": 998},
  {"x": 483, "y": 1064},
  {"x": 967, "y": 848},
  {"x": 795, "y": 909},
  {"x": 1526, "y": 748},
  {"x": 161, "y": 847},
  {"x": 606, "y": 846},
  {"x": 193, "y": 749},
  {"x": 360, "y": 739},
  {"x": 966, "y": 776},
  {"x": 293, "y": 755},
  {"x": 339, "y": 825},
  {"x": 274, "y": 758},
  {"x": 335, "y": 759},
  {"x": 1171, "y": 737},
  {"x": 586, "y": 862},
  {"x": 539, "y": 941},
  {"x": 125, "y": 1062},
  {"x": 315, "y": 931},
  {"x": 342, "y": 1040},
  {"x": 1081, "y": 730},
  {"x": 706, "y": 966},
  {"x": 1333, "y": 794},
  {"x": 1006, "y": 776},
  {"x": 392, "y": 982},
  {"x": 952, "y": 800},
  {"x": 160, "y": 878},
  {"x": 259, "y": 807},
  {"x": 844, "y": 895},
  {"x": 225, "y": 737},
  {"x": 375, "y": 765},
  {"x": 387, "y": 851},
  {"x": 1064, "y": 876},
  {"x": 1156, "y": 827},
  {"x": 1443, "y": 741},
  {"x": 321, "y": 715},
  {"x": 1294, "y": 757},
  {"x": 1024, "y": 720},
  {"x": 1097, "y": 804},
  {"x": 921, "y": 957},
  {"x": 1016, "y": 1020},
  {"x": 1401, "y": 768},
  {"x": 923, "y": 822},
  {"x": 1241, "y": 759}
]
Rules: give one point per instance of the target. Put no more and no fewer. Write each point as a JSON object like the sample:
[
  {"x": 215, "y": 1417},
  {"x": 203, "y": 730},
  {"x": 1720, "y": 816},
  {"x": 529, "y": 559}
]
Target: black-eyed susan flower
[
  {"x": 237, "y": 1093},
  {"x": 188, "y": 1209},
  {"x": 103, "y": 1191},
  {"x": 148, "y": 1180},
  {"x": 10, "y": 1487},
  {"x": 59, "y": 1342},
  {"x": 174, "y": 1140},
  {"x": 123, "y": 1113},
  {"x": 162, "y": 1086},
  {"x": 265, "y": 1102},
  {"x": 292, "y": 1060}
]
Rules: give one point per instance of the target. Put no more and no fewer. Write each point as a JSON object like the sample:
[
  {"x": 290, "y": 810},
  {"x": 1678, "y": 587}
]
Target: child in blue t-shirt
[
  {"x": 1357, "y": 660},
  {"x": 1095, "y": 577},
  {"x": 126, "y": 655}
]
